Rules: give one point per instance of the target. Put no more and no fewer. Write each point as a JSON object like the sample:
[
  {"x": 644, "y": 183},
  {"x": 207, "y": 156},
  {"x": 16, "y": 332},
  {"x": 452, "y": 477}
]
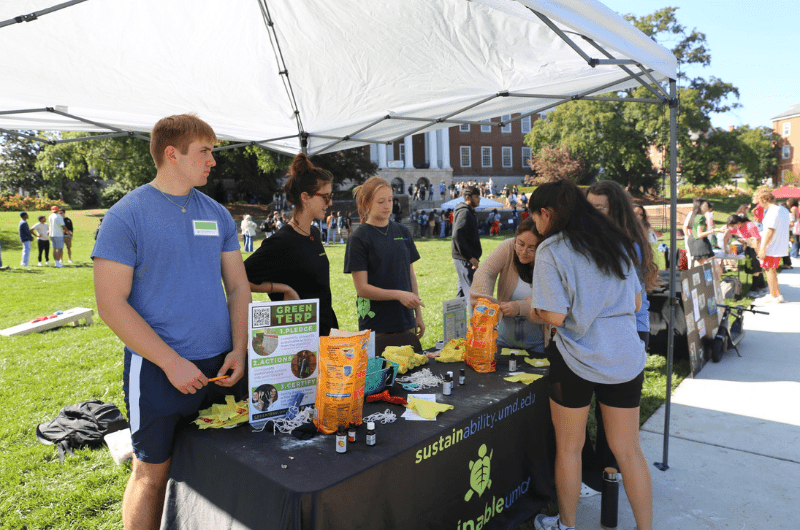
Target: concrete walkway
[{"x": 734, "y": 444}]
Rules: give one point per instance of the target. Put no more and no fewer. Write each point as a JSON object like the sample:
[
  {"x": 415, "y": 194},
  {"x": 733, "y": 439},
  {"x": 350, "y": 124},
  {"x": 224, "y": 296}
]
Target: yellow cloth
[
  {"x": 523, "y": 378},
  {"x": 509, "y": 351},
  {"x": 227, "y": 415},
  {"x": 405, "y": 357},
  {"x": 453, "y": 351},
  {"x": 426, "y": 409},
  {"x": 538, "y": 363}
]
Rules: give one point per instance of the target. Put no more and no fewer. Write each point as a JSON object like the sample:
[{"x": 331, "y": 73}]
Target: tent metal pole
[
  {"x": 30, "y": 137},
  {"x": 549, "y": 23},
  {"x": 673, "y": 209},
  {"x": 624, "y": 68},
  {"x": 95, "y": 137},
  {"x": 36, "y": 14}
]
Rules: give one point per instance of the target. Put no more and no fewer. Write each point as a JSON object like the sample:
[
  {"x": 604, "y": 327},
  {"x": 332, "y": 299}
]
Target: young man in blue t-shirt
[{"x": 160, "y": 254}]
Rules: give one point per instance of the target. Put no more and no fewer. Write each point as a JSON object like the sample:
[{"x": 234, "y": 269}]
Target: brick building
[
  {"x": 787, "y": 125},
  {"x": 459, "y": 153}
]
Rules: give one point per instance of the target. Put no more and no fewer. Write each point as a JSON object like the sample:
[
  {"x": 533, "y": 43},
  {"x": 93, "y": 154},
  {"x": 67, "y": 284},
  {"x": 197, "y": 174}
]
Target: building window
[
  {"x": 506, "y": 152},
  {"x": 486, "y": 128},
  {"x": 526, "y": 156},
  {"x": 787, "y": 128},
  {"x": 403, "y": 151},
  {"x": 464, "y": 127},
  {"x": 507, "y": 127},
  {"x": 526, "y": 125},
  {"x": 784, "y": 175},
  {"x": 486, "y": 156},
  {"x": 466, "y": 156},
  {"x": 787, "y": 152}
]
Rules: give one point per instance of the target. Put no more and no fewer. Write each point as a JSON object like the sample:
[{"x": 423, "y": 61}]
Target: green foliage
[
  {"x": 112, "y": 194},
  {"x": 759, "y": 149},
  {"x": 18, "y": 162},
  {"x": 18, "y": 203}
]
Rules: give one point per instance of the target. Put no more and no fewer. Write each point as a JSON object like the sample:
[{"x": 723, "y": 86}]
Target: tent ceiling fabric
[{"x": 350, "y": 63}]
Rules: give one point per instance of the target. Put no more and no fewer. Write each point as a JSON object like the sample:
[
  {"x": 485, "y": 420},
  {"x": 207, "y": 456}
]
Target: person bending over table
[
  {"x": 380, "y": 255},
  {"x": 170, "y": 283},
  {"x": 748, "y": 233},
  {"x": 512, "y": 261},
  {"x": 585, "y": 284},
  {"x": 292, "y": 264}
]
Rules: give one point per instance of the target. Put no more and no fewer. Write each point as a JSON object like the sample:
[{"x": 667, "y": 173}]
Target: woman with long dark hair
[
  {"x": 701, "y": 250},
  {"x": 292, "y": 264},
  {"x": 585, "y": 283},
  {"x": 510, "y": 267}
]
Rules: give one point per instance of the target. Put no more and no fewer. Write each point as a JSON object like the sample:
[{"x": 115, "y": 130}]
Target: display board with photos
[
  {"x": 701, "y": 294},
  {"x": 282, "y": 357}
]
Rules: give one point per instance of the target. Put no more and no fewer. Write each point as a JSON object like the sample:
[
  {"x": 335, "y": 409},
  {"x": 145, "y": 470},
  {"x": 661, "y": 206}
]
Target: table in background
[{"x": 497, "y": 443}]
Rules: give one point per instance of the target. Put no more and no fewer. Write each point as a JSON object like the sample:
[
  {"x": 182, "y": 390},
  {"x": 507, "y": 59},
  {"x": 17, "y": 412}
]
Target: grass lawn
[{"x": 42, "y": 372}]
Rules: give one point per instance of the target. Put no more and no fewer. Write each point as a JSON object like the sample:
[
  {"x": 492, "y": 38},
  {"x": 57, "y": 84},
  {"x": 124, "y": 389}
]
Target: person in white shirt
[
  {"x": 774, "y": 241},
  {"x": 57, "y": 228},
  {"x": 249, "y": 232},
  {"x": 42, "y": 231}
]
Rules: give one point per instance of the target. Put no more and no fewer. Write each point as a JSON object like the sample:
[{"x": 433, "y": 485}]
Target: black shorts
[{"x": 571, "y": 391}]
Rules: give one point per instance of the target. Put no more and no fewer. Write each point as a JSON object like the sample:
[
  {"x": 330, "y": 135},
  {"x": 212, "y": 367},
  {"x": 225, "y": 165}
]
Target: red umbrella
[{"x": 786, "y": 192}]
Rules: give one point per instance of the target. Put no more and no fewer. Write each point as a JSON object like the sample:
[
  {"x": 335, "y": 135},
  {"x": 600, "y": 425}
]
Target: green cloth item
[
  {"x": 538, "y": 363},
  {"x": 426, "y": 409},
  {"x": 523, "y": 378}
]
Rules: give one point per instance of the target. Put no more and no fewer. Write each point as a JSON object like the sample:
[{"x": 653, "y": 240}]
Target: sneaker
[
  {"x": 71, "y": 260},
  {"x": 58, "y": 265},
  {"x": 547, "y": 522},
  {"x": 586, "y": 491},
  {"x": 774, "y": 299},
  {"x": 40, "y": 263},
  {"x": 47, "y": 263}
]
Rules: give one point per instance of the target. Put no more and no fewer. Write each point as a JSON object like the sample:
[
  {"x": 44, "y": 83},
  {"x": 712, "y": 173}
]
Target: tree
[
  {"x": 557, "y": 163},
  {"x": 18, "y": 163},
  {"x": 350, "y": 167},
  {"x": 618, "y": 135},
  {"x": 759, "y": 151}
]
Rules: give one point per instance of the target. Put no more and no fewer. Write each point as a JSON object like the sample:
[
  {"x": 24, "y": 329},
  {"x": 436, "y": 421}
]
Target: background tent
[{"x": 318, "y": 75}]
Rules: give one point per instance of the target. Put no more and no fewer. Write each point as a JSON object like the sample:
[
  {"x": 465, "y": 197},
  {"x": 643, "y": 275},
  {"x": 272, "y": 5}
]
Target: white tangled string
[
  {"x": 384, "y": 417},
  {"x": 420, "y": 380},
  {"x": 286, "y": 425}
]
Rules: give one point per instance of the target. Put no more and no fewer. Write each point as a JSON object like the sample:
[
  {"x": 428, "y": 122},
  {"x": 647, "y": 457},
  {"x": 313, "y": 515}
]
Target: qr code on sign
[{"x": 261, "y": 317}]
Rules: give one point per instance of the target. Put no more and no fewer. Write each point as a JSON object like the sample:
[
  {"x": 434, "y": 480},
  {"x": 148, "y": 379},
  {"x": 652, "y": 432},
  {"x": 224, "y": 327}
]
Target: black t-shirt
[
  {"x": 293, "y": 259},
  {"x": 68, "y": 223},
  {"x": 386, "y": 253}
]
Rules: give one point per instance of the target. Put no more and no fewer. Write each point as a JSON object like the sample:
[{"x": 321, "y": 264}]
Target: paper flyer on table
[
  {"x": 282, "y": 355},
  {"x": 455, "y": 319}
]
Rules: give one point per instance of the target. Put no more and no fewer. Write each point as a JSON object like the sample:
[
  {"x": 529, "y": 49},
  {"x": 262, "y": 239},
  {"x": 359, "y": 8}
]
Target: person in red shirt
[{"x": 747, "y": 231}]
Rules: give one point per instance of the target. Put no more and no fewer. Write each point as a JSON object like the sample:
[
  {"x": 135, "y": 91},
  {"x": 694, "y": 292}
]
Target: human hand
[
  {"x": 185, "y": 376},
  {"x": 762, "y": 253},
  {"x": 409, "y": 300},
  {"x": 474, "y": 262},
  {"x": 233, "y": 361},
  {"x": 509, "y": 309},
  {"x": 420, "y": 326}
]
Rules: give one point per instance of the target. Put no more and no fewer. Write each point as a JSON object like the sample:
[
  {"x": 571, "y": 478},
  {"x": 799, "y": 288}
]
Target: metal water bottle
[{"x": 610, "y": 498}]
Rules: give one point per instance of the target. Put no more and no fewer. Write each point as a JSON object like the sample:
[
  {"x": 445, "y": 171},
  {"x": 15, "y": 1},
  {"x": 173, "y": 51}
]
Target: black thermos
[{"x": 610, "y": 498}]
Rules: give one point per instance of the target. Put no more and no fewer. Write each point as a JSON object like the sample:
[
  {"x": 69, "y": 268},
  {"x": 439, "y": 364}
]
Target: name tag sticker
[{"x": 205, "y": 228}]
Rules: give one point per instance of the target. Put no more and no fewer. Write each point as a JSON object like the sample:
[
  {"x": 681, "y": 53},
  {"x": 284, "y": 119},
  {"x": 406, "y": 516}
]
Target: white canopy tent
[{"x": 316, "y": 75}]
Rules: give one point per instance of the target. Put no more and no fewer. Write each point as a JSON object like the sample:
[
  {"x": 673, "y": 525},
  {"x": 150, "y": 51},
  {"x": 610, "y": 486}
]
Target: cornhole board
[{"x": 70, "y": 315}]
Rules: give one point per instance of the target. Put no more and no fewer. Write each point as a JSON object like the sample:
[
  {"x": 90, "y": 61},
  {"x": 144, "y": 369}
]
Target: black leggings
[{"x": 44, "y": 246}]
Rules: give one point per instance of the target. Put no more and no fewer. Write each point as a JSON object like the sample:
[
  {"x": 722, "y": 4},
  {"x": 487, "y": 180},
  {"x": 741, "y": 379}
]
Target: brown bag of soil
[{"x": 340, "y": 389}]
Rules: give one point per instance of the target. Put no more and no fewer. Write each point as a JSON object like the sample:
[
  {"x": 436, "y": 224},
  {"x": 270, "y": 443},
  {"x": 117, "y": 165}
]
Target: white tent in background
[
  {"x": 316, "y": 75},
  {"x": 485, "y": 204}
]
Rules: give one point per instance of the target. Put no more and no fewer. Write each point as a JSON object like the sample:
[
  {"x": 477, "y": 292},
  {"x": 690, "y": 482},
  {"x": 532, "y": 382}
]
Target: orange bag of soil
[
  {"x": 340, "y": 388},
  {"x": 482, "y": 336}
]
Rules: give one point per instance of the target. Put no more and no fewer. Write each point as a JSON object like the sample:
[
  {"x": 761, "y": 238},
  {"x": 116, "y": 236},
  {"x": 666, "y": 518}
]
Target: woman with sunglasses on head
[
  {"x": 585, "y": 283},
  {"x": 380, "y": 255},
  {"x": 292, "y": 264},
  {"x": 510, "y": 267}
]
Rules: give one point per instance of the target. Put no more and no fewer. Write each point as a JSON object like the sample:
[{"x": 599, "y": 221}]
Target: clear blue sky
[{"x": 754, "y": 44}]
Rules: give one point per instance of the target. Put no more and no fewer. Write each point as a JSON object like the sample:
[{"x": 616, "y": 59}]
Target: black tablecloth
[{"x": 496, "y": 443}]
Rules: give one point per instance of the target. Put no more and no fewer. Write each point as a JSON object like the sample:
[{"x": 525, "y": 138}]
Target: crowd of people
[{"x": 571, "y": 284}]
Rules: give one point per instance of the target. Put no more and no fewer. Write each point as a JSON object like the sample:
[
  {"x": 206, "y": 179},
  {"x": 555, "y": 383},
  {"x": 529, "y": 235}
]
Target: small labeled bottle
[
  {"x": 351, "y": 434},
  {"x": 447, "y": 387},
  {"x": 512, "y": 363},
  {"x": 462, "y": 377},
  {"x": 341, "y": 440},
  {"x": 609, "y": 502},
  {"x": 370, "y": 439}
]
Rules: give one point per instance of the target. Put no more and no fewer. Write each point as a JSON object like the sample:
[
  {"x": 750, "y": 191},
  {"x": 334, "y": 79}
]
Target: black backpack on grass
[{"x": 81, "y": 425}]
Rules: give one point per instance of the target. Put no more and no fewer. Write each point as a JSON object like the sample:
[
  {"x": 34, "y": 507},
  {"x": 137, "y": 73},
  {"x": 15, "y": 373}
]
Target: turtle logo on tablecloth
[{"x": 479, "y": 473}]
